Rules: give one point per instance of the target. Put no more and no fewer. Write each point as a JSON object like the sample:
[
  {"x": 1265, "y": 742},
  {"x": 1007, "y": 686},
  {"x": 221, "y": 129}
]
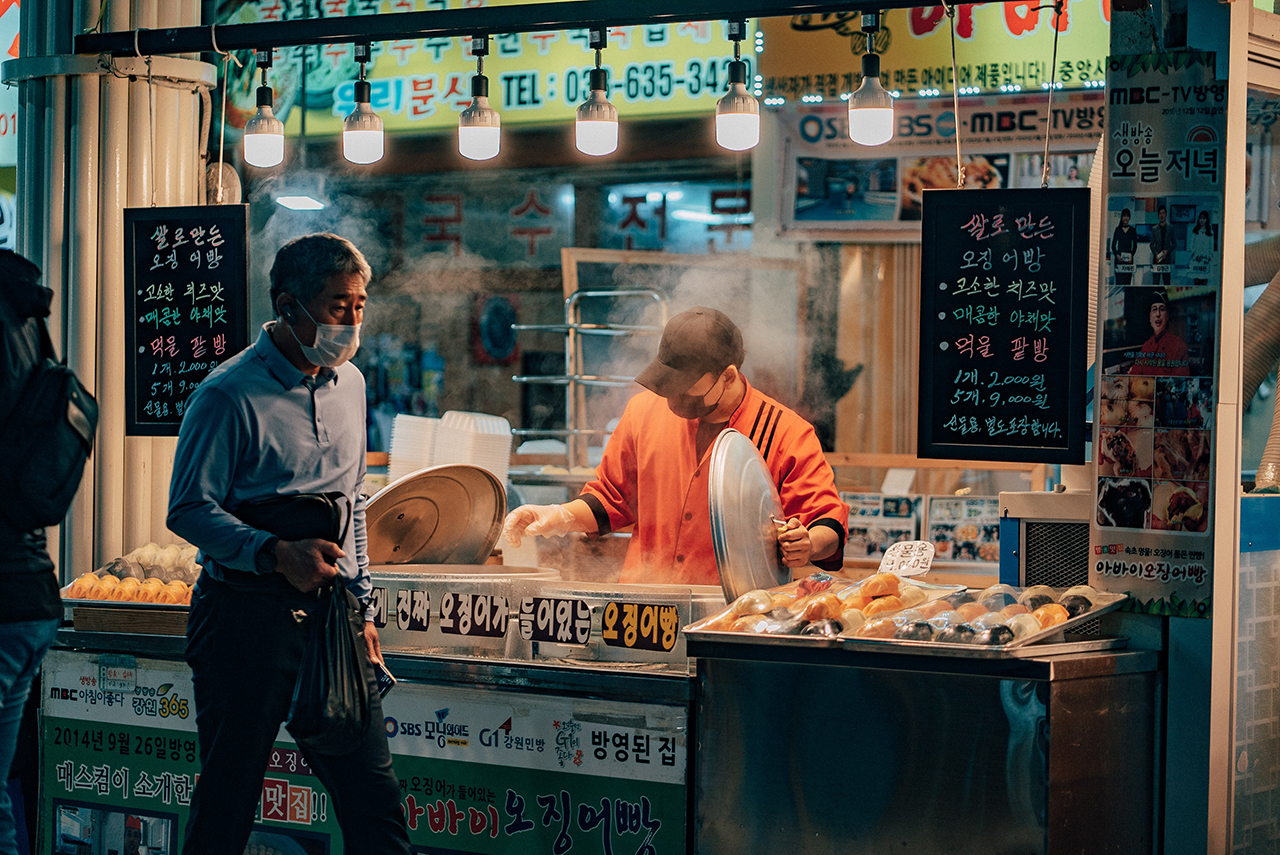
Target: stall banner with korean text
[
  {"x": 479, "y": 771},
  {"x": 1160, "y": 281},
  {"x": 686, "y": 216},
  {"x": 511, "y": 225},
  {"x": 1003, "y": 293},
  {"x": 831, "y": 182},
  {"x": 186, "y": 306},
  {"x": 997, "y": 44},
  {"x": 423, "y": 84}
]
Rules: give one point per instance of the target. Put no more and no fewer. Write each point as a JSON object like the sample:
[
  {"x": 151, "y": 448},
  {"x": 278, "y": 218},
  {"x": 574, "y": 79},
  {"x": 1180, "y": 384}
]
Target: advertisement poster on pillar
[{"x": 1161, "y": 277}]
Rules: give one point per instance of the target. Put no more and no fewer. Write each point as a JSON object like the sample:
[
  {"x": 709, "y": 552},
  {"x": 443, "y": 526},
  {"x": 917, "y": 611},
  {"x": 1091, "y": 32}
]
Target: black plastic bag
[{"x": 330, "y": 709}]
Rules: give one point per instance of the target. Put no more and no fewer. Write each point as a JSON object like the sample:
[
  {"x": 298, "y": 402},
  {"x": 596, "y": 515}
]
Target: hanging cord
[
  {"x": 227, "y": 57},
  {"x": 151, "y": 110},
  {"x": 955, "y": 95},
  {"x": 97, "y": 24},
  {"x": 1053, "y": 84}
]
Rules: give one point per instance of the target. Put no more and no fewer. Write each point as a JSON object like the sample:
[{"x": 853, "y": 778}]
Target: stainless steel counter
[{"x": 824, "y": 750}]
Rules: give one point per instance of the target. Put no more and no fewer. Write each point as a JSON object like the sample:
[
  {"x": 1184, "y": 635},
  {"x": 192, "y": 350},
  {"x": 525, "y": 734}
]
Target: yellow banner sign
[
  {"x": 422, "y": 84},
  {"x": 1007, "y": 45}
]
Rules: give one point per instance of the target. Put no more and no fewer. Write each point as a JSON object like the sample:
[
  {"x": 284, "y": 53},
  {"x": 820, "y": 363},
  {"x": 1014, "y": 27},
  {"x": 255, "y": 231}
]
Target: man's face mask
[
  {"x": 694, "y": 407},
  {"x": 335, "y": 343}
]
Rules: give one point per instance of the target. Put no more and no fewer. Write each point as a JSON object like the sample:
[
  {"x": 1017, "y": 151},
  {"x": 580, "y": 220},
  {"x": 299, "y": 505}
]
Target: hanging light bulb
[
  {"x": 362, "y": 137},
  {"x": 738, "y": 112},
  {"x": 479, "y": 125},
  {"x": 263, "y": 134},
  {"x": 596, "y": 131},
  {"x": 871, "y": 107}
]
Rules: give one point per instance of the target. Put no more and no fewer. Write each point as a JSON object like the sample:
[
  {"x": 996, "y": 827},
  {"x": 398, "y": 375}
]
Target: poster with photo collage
[
  {"x": 1160, "y": 282},
  {"x": 834, "y": 184},
  {"x": 876, "y": 522}
]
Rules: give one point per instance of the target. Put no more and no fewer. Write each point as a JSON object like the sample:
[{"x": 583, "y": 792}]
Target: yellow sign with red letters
[
  {"x": 998, "y": 45},
  {"x": 423, "y": 84}
]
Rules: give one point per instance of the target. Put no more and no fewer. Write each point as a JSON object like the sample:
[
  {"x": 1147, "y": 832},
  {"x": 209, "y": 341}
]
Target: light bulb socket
[
  {"x": 597, "y": 108},
  {"x": 478, "y": 114},
  {"x": 737, "y": 72},
  {"x": 870, "y": 64},
  {"x": 738, "y": 100},
  {"x": 479, "y": 86},
  {"x": 362, "y": 118},
  {"x": 363, "y": 92},
  {"x": 599, "y": 80},
  {"x": 264, "y": 96}
]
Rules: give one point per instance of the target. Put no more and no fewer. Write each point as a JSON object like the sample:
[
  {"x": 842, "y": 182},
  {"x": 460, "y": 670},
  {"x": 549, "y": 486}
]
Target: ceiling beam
[{"x": 485, "y": 20}]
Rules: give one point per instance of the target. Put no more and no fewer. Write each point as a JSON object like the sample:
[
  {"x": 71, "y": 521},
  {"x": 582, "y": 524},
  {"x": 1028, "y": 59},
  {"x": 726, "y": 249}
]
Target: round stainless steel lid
[
  {"x": 440, "y": 515},
  {"x": 744, "y": 503}
]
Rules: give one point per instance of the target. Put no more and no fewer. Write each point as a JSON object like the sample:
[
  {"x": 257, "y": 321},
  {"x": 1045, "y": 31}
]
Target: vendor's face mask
[
  {"x": 335, "y": 343},
  {"x": 694, "y": 407}
]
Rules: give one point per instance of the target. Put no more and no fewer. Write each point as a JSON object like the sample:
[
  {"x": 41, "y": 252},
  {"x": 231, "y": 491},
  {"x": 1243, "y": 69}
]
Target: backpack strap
[{"x": 46, "y": 343}]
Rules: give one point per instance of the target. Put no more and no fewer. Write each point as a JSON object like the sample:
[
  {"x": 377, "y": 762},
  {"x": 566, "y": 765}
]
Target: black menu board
[
  {"x": 1003, "y": 290},
  {"x": 186, "y": 306}
]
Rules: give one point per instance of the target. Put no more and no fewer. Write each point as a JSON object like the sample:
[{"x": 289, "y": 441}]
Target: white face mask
[{"x": 335, "y": 343}]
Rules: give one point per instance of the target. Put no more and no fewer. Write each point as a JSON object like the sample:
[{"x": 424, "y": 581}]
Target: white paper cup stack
[
  {"x": 413, "y": 443},
  {"x": 478, "y": 439}
]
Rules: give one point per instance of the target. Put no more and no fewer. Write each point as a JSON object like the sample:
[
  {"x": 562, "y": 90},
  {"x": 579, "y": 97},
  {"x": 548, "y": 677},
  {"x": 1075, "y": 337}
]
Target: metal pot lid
[
  {"x": 441, "y": 515},
  {"x": 744, "y": 503}
]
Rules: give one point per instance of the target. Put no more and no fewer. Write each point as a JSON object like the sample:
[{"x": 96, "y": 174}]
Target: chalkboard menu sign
[
  {"x": 1003, "y": 290},
  {"x": 186, "y": 306}
]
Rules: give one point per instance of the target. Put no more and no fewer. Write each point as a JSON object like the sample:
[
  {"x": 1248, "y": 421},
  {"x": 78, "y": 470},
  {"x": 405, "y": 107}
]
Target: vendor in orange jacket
[{"x": 653, "y": 474}]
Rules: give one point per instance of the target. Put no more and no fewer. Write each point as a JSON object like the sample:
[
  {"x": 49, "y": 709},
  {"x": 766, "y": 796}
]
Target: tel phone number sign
[
  {"x": 1003, "y": 293},
  {"x": 186, "y": 306}
]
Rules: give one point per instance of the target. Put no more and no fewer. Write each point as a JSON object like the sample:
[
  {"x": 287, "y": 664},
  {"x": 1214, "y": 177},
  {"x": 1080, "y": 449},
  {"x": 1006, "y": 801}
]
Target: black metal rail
[{"x": 486, "y": 20}]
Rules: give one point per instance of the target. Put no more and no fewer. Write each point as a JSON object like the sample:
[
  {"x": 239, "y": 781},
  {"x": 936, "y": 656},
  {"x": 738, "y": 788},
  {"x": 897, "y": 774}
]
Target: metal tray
[
  {"x": 761, "y": 639},
  {"x": 931, "y": 592},
  {"x": 744, "y": 503},
  {"x": 440, "y": 515},
  {"x": 128, "y": 604},
  {"x": 1076, "y": 644},
  {"x": 1105, "y": 603}
]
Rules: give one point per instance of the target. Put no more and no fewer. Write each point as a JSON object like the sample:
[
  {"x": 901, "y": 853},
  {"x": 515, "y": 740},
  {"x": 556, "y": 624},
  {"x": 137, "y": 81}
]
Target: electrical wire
[
  {"x": 955, "y": 95},
  {"x": 1053, "y": 84},
  {"x": 227, "y": 57}
]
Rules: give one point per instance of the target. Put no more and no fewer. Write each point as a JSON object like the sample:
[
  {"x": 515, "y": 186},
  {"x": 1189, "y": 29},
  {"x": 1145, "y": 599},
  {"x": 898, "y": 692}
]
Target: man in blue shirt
[{"x": 285, "y": 416}]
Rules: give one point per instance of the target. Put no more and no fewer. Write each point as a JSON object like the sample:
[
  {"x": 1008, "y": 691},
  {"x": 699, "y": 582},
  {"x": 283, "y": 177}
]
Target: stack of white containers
[
  {"x": 475, "y": 438},
  {"x": 413, "y": 444}
]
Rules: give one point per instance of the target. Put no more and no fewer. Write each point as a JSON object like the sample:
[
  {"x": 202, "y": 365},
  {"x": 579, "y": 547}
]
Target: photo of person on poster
[
  {"x": 1162, "y": 244},
  {"x": 1124, "y": 242},
  {"x": 1164, "y": 353},
  {"x": 1202, "y": 245}
]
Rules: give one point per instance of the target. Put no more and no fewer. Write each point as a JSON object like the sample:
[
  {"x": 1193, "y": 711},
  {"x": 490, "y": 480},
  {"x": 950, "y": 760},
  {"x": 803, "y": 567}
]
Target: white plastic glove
[{"x": 538, "y": 520}]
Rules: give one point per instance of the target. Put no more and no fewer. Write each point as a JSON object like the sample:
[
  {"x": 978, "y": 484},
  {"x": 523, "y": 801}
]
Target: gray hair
[{"x": 304, "y": 265}]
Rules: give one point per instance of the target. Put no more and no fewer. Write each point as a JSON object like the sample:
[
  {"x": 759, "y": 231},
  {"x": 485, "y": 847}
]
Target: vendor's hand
[
  {"x": 308, "y": 564},
  {"x": 371, "y": 642},
  {"x": 539, "y": 521},
  {"x": 794, "y": 543}
]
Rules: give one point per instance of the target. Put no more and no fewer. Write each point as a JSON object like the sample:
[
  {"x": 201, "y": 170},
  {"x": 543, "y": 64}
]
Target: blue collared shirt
[{"x": 258, "y": 427}]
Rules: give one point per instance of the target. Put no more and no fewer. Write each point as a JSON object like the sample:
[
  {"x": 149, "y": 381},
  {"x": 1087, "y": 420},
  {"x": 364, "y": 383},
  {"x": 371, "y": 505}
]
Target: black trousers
[{"x": 244, "y": 646}]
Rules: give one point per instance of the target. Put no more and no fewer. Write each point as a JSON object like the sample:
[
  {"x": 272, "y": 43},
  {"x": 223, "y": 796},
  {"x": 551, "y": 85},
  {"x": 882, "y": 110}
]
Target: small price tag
[
  {"x": 907, "y": 558},
  {"x": 640, "y": 626},
  {"x": 473, "y": 615},
  {"x": 555, "y": 621},
  {"x": 117, "y": 673}
]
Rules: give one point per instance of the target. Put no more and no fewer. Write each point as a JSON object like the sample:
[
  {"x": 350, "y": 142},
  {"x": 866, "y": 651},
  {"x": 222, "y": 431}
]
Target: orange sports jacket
[{"x": 649, "y": 477}]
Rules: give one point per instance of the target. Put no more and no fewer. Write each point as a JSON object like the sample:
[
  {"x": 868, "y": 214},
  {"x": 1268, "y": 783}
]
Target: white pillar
[
  {"x": 110, "y": 481},
  {"x": 138, "y": 467},
  {"x": 82, "y": 289}
]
